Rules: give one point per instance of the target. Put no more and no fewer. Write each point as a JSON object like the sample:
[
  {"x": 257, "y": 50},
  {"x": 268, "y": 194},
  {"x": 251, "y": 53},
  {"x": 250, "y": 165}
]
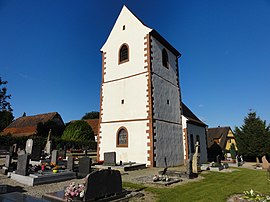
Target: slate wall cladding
[
  {"x": 168, "y": 140},
  {"x": 168, "y": 143}
]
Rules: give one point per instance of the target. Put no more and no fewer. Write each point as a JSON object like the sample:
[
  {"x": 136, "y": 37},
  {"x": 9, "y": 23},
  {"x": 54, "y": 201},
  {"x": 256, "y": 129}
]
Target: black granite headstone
[
  {"x": 84, "y": 166},
  {"x": 22, "y": 164},
  {"x": 109, "y": 159},
  {"x": 36, "y": 152},
  {"x": 103, "y": 183},
  {"x": 70, "y": 163}
]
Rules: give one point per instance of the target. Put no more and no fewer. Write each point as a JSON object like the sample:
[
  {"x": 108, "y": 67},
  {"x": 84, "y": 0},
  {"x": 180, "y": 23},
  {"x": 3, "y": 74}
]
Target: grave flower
[{"x": 74, "y": 191}]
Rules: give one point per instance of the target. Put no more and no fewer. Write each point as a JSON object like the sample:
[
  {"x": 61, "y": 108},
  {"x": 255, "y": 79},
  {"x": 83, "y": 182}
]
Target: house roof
[
  {"x": 218, "y": 133},
  {"x": 27, "y": 125},
  {"x": 192, "y": 118},
  {"x": 94, "y": 125}
]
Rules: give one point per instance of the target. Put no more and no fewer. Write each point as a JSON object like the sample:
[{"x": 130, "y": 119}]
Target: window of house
[
  {"x": 123, "y": 54},
  {"x": 124, "y": 27},
  {"x": 122, "y": 137},
  {"x": 165, "y": 60},
  {"x": 122, "y": 101}
]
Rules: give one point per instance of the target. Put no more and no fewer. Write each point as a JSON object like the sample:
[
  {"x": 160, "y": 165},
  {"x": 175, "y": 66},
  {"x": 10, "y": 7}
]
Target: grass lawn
[{"x": 217, "y": 186}]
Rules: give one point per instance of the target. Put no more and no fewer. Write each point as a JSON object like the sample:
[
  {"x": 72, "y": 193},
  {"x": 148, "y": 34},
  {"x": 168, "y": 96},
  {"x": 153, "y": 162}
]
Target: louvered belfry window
[
  {"x": 165, "y": 59},
  {"x": 123, "y": 54}
]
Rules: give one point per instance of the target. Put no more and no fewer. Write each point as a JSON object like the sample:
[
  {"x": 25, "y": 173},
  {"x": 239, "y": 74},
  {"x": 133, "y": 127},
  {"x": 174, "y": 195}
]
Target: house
[
  {"x": 219, "y": 141},
  {"x": 94, "y": 125},
  {"x": 194, "y": 130},
  {"x": 140, "y": 113},
  {"x": 223, "y": 136},
  {"x": 27, "y": 125}
]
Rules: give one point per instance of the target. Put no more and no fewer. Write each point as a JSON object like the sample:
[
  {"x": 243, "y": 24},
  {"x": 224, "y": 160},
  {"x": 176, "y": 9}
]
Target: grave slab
[
  {"x": 47, "y": 177},
  {"x": 19, "y": 197}
]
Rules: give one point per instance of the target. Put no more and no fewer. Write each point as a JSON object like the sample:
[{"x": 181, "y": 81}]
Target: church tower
[{"x": 140, "y": 108}]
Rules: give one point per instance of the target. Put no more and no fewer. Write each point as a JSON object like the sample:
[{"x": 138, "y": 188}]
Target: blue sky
[{"x": 49, "y": 54}]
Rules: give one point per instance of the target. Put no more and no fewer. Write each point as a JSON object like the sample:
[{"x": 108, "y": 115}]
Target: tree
[
  {"x": 78, "y": 131},
  {"x": 253, "y": 137},
  {"x": 4, "y": 104},
  {"x": 6, "y": 117},
  {"x": 91, "y": 115},
  {"x": 44, "y": 128}
]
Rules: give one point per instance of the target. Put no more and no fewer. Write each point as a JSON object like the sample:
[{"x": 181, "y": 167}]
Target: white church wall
[
  {"x": 137, "y": 138},
  {"x": 133, "y": 35},
  {"x": 198, "y": 130},
  {"x": 125, "y": 99},
  {"x": 184, "y": 127}
]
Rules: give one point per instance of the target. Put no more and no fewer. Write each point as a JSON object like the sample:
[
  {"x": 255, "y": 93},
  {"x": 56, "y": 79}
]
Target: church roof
[
  {"x": 192, "y": 118},
  {"x": 27, "y": 125}
]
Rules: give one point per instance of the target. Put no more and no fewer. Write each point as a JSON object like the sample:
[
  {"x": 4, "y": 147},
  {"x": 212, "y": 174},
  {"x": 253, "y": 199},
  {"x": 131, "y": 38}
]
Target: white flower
[
  {"x": 82, "y": 194},
  {"x": 251, "y": 192}
]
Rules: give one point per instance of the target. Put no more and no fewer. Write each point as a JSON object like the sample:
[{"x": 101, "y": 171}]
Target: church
[{"x": 140, "y": 98}]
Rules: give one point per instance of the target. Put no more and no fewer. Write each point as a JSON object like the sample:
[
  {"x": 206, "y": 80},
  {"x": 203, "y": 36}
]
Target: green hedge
[{"x": 57, "y": 142}]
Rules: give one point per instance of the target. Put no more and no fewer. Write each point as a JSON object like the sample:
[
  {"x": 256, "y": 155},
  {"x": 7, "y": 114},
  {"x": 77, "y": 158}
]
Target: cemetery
[{"x": 148, "y": 149}]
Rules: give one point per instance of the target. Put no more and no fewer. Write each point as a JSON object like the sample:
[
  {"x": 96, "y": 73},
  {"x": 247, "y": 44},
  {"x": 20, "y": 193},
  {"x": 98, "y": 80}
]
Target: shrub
[{"x": 78, "y": 131}]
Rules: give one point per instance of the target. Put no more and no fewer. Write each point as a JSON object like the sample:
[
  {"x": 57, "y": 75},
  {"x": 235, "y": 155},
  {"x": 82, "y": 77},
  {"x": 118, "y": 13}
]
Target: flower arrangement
[
  {"x": 74, "y": 191},
  {"x": 255, "y": 196}
]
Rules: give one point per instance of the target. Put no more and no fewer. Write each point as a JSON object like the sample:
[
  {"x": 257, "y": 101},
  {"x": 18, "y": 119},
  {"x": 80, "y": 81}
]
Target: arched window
[
  {"x": 165, "y": 60},
  {"x": 122, "y": 137},
  {"x": 123, "y": 54}
]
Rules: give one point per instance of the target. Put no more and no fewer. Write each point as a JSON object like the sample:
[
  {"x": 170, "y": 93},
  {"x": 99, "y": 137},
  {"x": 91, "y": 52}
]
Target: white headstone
[{"x": 28, "y": 146}]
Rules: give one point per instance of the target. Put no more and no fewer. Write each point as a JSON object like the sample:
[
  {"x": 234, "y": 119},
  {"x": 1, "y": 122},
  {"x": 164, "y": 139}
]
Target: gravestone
[
  {"x": 103, "y": 183},
  {"x": 84, "y": 166},
  {"x": 28, "y": 146},
  {"x": 11, "y": 150},
  {"x": 70, "y": 163},
  {"x": 22, "y": 164},
  {"x": 218, "y": 159},
  {"x": 265, "y": 163},
  {"x": 54, "y": 156},
  {"x": 8, "y": 161},
  {"x": 195, "y": 159},
  {"x": 36, "y": 152},
  {"x": 109, "y": 159},
  {"x": 189, "y": 167},
  {"x": 21, "y": 152},
  {"x": 62, "y": 153},
  {"x": 48, "y": 146}
]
